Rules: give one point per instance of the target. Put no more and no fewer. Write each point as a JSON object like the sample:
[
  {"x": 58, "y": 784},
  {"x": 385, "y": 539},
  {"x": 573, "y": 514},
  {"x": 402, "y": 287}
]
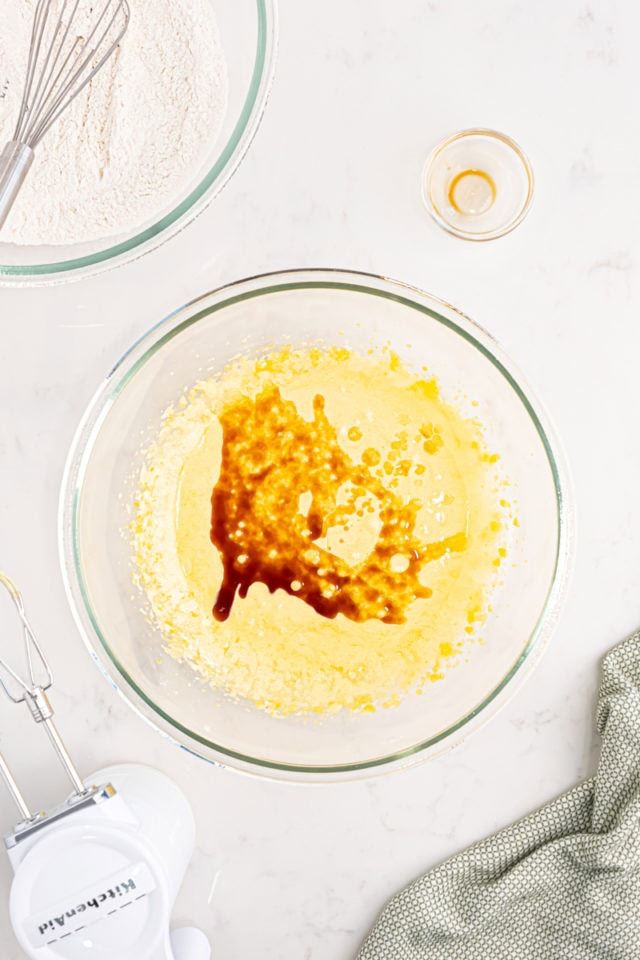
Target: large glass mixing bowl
[
  {"x": 251, "y": 317},
  {"x": 247, "y": 31}
]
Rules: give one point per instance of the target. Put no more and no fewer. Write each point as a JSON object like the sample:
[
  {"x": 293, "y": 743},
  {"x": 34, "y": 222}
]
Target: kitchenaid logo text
[
  {"x": 106, "y": 896},
  {"x": 125, "y": 887}
]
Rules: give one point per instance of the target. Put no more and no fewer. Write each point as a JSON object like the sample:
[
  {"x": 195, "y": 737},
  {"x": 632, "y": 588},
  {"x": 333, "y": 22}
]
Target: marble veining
[{"x": 362, "y": 92}]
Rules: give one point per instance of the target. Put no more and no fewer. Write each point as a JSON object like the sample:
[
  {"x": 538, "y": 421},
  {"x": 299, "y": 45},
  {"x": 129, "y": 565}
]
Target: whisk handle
[{"x": 15, "y": 161}]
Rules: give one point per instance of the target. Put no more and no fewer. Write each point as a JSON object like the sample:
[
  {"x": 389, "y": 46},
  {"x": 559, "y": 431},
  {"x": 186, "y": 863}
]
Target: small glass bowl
[
  {"x": 477, "y": 184},
  {"x": 248, "y": 33}
]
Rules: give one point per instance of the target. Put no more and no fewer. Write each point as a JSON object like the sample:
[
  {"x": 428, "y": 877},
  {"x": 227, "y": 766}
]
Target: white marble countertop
[{"x": 362, "y": 92}]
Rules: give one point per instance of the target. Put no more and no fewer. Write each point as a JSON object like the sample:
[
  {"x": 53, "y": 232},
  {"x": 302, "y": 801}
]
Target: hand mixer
[
  {"x": 70, "y": 42},
  {"x": 97, "y": 875}
]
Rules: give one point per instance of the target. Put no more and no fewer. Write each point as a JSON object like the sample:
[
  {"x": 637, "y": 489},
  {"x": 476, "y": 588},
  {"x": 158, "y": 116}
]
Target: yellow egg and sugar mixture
[{"x": 318, "y": 530}]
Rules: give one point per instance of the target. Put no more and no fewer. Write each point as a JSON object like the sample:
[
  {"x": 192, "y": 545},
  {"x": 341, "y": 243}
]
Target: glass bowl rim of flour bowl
[
  {"x": 98, "y": 490},
  {"x": 250, "y": 72}
]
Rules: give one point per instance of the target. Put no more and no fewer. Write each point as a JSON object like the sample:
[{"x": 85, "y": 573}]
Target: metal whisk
[
  {"x": 62, "y": 61},
  {"x": 28, "y": 684},
  {"x": 30, "y": 689}
]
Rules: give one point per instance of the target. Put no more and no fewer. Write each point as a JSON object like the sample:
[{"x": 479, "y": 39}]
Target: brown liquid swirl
[{"x": 271, "y": 456}]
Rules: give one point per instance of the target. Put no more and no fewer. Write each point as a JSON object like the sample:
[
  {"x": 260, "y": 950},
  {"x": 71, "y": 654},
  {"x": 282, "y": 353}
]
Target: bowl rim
[
  {"x": 126, "y": 368},
  {"x": 198, "y": 199}
]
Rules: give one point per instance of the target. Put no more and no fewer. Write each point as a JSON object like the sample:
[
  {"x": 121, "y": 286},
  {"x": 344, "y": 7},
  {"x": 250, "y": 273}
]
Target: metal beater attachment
[
  {"x": 71, "y": 40},
  {"x": 30, "y": 689}
]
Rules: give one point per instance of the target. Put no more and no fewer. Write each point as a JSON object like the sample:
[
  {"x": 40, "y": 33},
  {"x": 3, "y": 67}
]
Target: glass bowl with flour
[
  {"x": 146, "y": 146},
  {"x": 313, "y": 525}
]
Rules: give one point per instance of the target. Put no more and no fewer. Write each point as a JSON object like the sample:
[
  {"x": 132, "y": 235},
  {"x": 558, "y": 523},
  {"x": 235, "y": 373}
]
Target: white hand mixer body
[{"x": 98, "y": 876}]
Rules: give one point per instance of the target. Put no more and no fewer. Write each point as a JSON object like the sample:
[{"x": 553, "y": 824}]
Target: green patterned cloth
[{"x": 561, "y": 884}]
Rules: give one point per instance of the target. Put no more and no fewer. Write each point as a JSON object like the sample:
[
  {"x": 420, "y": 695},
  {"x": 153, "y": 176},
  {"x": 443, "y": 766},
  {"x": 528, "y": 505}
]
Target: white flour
[{"x": 131, "y": 143}]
